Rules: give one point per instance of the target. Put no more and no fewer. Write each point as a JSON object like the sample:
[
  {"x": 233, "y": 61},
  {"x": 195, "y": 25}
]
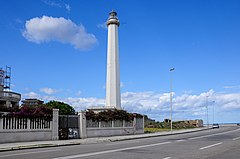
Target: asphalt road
[{"x": 222, "y": 143}]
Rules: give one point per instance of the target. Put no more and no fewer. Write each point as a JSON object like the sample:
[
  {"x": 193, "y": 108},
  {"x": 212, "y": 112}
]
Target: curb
[
  {"x": 26, "y": 147},
  {"x": 35, "y": 146}
]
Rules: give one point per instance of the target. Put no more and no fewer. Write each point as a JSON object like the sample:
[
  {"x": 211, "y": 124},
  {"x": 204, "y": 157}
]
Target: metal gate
[
  {"x": 68, "y": 127},
  {"x": 139, "y": 123}
]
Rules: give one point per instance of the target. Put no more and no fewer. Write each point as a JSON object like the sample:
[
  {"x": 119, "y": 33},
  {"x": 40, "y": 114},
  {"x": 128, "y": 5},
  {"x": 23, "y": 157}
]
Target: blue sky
[{"x": 57, "y": 50}]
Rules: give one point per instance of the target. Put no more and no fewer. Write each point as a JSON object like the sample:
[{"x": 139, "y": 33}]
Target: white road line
[
  {"x": 167, "y": 157},
  {"x": 199, "y": 137},
  {"x": 236, "y": 138},
  {"x": 210, "y": 146},
  {"x": 180, "y": 140},
  {"x": 26, "y": 153},
  {"x": 110, "y": 151}
]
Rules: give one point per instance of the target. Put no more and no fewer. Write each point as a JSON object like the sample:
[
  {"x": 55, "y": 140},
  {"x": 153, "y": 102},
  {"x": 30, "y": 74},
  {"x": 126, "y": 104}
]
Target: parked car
[
  {"x": 238, "y": 124},
  {"x": 215, "y": 126}
]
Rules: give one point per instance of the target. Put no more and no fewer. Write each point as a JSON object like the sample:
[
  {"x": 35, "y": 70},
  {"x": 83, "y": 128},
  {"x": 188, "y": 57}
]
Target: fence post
[
  {"x": 55, "y": 124},
  {"x": 1, "y": 123},
  {"x": 28, "y": 124},
  {"x": 82, "y": 125},
  {"x": 113, "y": 124},
  {"x": 134, "y": 124},
  {"x": 124, "y": 123},
  {"x": 143, "y": 123}
]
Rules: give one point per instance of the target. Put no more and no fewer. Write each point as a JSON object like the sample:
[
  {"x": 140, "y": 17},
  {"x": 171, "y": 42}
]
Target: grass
[{"x": 153, "y": 130}]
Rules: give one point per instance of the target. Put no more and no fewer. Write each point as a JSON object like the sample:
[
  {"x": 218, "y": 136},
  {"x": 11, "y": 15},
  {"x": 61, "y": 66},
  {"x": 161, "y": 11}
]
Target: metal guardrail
[{"x": 10, "y": 95}]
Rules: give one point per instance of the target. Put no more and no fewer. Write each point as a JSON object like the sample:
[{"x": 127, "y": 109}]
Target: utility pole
[
  {"x": 172, "y": 69},
  {"x": 207, "y": 111},
  {"x": 213, "y": 110}
]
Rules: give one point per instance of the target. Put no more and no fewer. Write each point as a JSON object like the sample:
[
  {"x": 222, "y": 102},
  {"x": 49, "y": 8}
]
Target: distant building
[
  {"x": 8, "y": 98},
  {"x": 197, "y": 122},
  {"x": 32, "y": 102}
]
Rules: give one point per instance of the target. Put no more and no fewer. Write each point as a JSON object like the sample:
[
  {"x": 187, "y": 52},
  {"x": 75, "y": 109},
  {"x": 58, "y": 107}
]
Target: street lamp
[
  {"x": 207, "y": 110},
  {"x": 213, "y": 110},
  {"x": 171, "y": 69}
]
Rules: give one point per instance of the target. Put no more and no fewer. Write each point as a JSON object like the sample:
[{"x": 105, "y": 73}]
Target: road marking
[
  {"x": 167, "y": 157},
  {"x": 236, "y": 138},
  {"x": 26, "y": 153},
  {"x": 110, "y": 151},
  {"x": 180, "y": 140},
  {"x": 210, "y": 146},
  {"x": 199, "y": 137}
]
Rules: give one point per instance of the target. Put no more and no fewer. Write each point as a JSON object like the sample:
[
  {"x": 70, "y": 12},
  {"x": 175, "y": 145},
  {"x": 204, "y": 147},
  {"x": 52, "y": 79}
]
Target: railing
[
  {"x": 109, "y": 124},
  {"x": 16, "y": 123},
  {"x": 11, "y": 95}
]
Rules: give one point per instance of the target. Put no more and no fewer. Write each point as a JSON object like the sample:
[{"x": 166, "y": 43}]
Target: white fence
[
  {"x": 109, "y": 124},
  {"x": 89, "y": 128},
  {"x": 18, "y": 129},
  {"x": 23, "y": 123}
]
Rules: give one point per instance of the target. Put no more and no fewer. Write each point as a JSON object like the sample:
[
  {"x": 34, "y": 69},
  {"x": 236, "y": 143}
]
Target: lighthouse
[{"x": 113, "y": 95}]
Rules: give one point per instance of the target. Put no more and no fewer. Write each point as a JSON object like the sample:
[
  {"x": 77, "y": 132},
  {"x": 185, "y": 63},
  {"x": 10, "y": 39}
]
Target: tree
[
  {"x": 64, "y": 109},
  {"x": 33, "y": 111}
]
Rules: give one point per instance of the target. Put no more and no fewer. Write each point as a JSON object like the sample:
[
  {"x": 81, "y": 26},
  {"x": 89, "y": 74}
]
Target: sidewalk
[{"x": 51, "y": 143}]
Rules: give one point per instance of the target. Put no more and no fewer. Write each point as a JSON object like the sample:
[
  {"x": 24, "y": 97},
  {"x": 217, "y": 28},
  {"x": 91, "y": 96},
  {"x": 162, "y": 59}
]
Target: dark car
[
  {"x": 215, "y": 126},
  {"x": 238, "y": 124}
]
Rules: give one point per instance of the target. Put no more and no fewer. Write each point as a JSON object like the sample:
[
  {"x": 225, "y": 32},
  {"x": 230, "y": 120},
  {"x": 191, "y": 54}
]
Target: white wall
[
  {"x": 100, "y": 132},
  {"x": 28, "y": 134},
  {"x": 24, "y": 135}
]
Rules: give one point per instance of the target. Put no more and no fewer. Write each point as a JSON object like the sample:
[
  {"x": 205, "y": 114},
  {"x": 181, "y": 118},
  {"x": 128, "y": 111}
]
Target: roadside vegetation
[
  {"x": 152, "y": 126},
  {"x": 42, "y": 110}
]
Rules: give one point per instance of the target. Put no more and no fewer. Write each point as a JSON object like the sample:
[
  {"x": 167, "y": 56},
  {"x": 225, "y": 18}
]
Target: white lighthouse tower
[{"x": 113, "y": 95}]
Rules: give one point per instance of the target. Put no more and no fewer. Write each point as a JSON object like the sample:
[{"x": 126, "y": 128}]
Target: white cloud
[
  {"x": 232, "y": 87},
  {"x": 83, "y": 103},
  {"x": 58, "y": 4},
  {"x": 18, "y": 21},
  {"x": 185, "y": 106},
  {"x": 52, "y": 3},
  {"x": 68, "y": 8},
  {"x": 31, "y": 95},
  {"x": 46, "y": 29},
  {"x": 228, "y": 101},
  {"x": 48, "y": 90},
  {"x": 157, "y": 105},
  {"x": 102, "y": 25},
  {"x": 79, "y": 93}
]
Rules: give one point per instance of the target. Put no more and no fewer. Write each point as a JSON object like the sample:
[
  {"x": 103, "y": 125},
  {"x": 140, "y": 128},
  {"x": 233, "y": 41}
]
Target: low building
[
  {"x": 197, "y": 122},
  {"x": 32, "y": 102},
  {"x": 9, "y": 99}
]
